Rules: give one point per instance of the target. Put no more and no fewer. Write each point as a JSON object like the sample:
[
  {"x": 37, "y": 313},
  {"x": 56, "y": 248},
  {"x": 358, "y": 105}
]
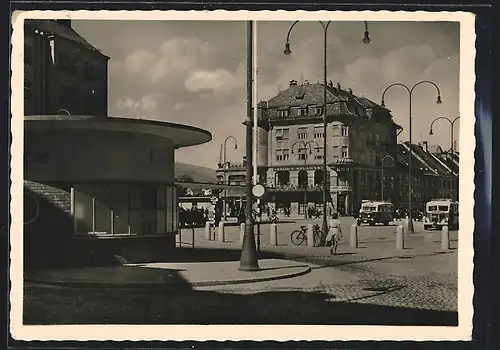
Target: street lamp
[
  {"x": 452, "y": 125},
  {"x": 226, "y": 179},
  {"x": 288, "y": 51},
  {"x": 410, "y": 93},
  {"x": 382, "y": 173},
  {"x": 305, "y": 146}
]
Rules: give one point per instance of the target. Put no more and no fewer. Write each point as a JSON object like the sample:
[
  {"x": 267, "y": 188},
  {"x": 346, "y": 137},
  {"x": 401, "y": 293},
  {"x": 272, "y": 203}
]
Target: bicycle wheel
[
  {"x": 297, "y": 237},
  {"x": 317, "y": 238}
]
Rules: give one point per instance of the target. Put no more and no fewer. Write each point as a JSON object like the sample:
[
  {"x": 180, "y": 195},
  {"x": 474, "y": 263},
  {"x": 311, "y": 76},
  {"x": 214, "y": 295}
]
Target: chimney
[
  {"x": 338, "y": 86},
  {"x": 64, "y": 22},
  {"x": 350, "y": 91},
  {"x": 293, "y": 82},
  {"x": 330, "y": 84},
  {"x": 426, "y": 146}
]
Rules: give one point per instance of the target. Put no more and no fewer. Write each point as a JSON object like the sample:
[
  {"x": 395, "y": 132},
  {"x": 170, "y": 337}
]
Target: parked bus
[
  {"x": 374, "y": 212},
  {"x": 441, "y": 212}
]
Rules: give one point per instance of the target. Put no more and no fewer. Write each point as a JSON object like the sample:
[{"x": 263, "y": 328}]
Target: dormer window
[
  {"x": 283, "y": 113},
  {"x": 303, "y": 112},
  {"x": 319, "y": 110}
]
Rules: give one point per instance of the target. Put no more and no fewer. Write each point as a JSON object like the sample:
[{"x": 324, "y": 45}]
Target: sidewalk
[
  {"x": 377, "y": 247},
  {"x": 168, "y": 275}
]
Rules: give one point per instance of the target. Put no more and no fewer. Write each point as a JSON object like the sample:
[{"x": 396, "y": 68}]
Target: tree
[{"x": 184, "y": 178}]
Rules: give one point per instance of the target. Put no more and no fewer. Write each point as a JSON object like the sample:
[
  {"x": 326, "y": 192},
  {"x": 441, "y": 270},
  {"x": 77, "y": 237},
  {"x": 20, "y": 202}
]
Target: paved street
[{"x": 374, "y": 284}]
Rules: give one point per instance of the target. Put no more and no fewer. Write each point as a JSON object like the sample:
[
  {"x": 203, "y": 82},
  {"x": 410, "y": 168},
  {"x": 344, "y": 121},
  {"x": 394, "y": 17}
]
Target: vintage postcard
[{"x": 242, "y": 175}]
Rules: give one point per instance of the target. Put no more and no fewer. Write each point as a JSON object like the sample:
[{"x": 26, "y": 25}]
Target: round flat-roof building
[{"x": 99, "y": 189}]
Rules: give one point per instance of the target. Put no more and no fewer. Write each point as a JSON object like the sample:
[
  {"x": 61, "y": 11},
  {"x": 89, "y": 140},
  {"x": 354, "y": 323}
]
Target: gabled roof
[
  {"x": 428, "y": 159},
  {"x": 452, "y": 164},
  {"x": 60, "y": 30},
  {"x": 417, "y": 162}
]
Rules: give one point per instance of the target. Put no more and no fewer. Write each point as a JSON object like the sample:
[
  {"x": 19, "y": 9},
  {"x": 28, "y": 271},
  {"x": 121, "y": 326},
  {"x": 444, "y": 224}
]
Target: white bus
[
  {"x": 374, "y": 212},
  {"x": 441, "y": 212}
]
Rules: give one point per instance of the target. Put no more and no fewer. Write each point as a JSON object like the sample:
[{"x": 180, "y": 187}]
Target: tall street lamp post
[
  {"x": 382, "y": 174},
  {"x": 410, "y": 93},
  {"x": 226, "y": 179},
  {"x": 288, "y": 51},
  {"x": 248, "y": 258},
  {"x": 452, "y": 132},
  {"x": 305, "y": 146}
]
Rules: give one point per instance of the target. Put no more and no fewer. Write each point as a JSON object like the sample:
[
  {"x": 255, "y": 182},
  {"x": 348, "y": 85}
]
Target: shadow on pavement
[
  {"x": 57, "y": 306},
  {"x": 212, "y": 255}
]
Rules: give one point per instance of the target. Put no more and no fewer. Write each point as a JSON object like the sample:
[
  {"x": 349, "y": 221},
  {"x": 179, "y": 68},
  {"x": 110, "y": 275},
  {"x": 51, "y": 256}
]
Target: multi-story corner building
[
  {"x": 63, "y": 73},
  {"x": 364, "y": 159},
  {"x": 360, "y": 133}
]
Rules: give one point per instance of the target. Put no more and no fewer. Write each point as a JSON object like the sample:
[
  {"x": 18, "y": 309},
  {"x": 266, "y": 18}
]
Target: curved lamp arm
[
  {"x": 438, "y": 100},
  {"x": 235, "y": 142}
]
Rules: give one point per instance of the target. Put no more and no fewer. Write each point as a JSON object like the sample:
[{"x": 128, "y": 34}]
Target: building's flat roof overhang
[{"x": 181, "y": 135}]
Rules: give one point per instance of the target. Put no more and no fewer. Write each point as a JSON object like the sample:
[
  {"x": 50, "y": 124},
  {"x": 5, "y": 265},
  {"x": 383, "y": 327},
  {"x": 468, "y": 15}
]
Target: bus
[
  {"x": 441, "y": 212},
  {"x": 375, "y": 212}
]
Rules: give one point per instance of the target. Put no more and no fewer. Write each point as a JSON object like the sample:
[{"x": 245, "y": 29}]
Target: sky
[{"x": 194, "y": 72}]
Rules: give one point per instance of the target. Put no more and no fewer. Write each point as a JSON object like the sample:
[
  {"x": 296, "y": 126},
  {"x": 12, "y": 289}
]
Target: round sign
[{"x": 259, "y": 191}]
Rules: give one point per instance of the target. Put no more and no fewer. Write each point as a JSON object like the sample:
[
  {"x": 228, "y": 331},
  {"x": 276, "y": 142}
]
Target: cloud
[
  {"x": 146, "y": 104},
  {"x": 217, "y": 80},
  {"x": 174, "y": 60}
]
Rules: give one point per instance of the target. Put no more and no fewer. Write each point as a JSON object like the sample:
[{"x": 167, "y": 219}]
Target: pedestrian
[{"x": 334, "y": 233}]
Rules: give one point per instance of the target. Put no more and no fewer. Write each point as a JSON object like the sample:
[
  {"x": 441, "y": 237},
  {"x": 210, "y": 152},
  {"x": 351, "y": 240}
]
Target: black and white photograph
[{"x": 185, "y": 175}]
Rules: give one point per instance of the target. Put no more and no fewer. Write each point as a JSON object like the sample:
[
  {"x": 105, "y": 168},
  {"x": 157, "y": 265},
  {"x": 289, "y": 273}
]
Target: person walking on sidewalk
[{"x": 334, "y": 233}]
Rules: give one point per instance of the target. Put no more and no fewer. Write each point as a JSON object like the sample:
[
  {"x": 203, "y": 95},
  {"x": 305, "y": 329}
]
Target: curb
[{"x": 163, "y": 285}]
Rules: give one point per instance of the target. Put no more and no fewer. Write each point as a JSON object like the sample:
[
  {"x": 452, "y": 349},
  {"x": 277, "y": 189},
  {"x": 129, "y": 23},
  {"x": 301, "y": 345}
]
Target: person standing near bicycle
[{"x": 334, "y": 233}]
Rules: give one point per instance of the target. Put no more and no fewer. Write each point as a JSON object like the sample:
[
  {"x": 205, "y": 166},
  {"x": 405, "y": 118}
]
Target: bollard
[
  {"x": 242, "y": 232},
  {"x": 310, "y": 235},
  {"x": 354, "y": 236},
  {"x": 445, "y": 238},
  {"x": 400, "y": 243},
  {"x": 220, "y": 232},
  {"x": 274, "y": 235},
  {"x": 208, "y": 228}
]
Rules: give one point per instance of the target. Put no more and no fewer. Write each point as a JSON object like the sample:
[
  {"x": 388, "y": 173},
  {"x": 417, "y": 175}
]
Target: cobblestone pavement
[{"x": 421, "y": 281}]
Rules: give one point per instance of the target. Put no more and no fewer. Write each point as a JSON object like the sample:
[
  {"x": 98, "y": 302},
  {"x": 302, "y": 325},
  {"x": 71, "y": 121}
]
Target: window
[
  {"x": 302, "y": 153},
  {"x": 282, "y": 134},
  {"x": 344, "y": 131},
  {"x": 319, "y": 110},
  {"x": 286, "y": 154},
  {"x": 303, "y": 112},
  {"x": 89, "y": 73},
  {"x": 124, "y": 209},
  {"x": 302, "y": 133},
  {"x": 283, "y": 113},
  {"x": 344, "y": 152},
  {"x": 335, "y": 151},
  {"x": 279, "y": 144},
  {"x": 319, "y": 154},
  {"x": 318, "y": 132},
  {"x": 336, "y": 130},
  {"x": 279, "y": 155}
]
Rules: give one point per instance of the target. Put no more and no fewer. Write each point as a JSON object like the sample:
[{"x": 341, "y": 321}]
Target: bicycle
[{"x": 300, "y": 236}]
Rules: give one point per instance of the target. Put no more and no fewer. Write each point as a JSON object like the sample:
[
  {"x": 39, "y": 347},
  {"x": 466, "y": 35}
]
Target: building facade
[
  {"x": 63, "y": 73},
  {"x": 364, "y": 158}
]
